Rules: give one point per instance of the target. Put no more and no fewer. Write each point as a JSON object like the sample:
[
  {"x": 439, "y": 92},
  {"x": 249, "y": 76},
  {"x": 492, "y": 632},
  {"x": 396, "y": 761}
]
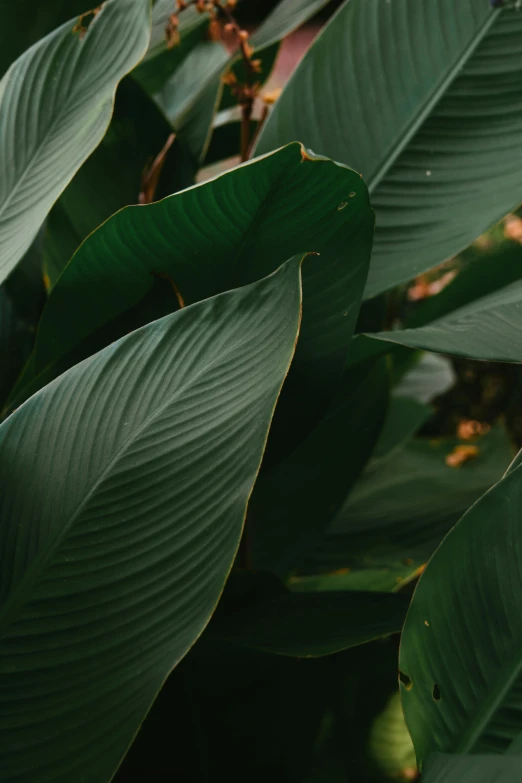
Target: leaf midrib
[
  {"x": 433, "y": 98},
  {"x": 16, "y": 600}
]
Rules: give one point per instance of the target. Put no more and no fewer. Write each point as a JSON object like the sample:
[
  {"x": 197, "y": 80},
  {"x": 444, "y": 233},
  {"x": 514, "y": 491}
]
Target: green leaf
[
  {"x": 401, "y": 508},
  {"x": 111, "y": 177},
  {"x": 487, "y": 329},
  {"x": 294, "y": 502},
  {"x": 462, "y": 768},
  {"x": 229, "y": 231},
  {"x": 307, "y": 625},
  {"x": 461, "y": 648},
  {"x": 432, "y": 124},
  {"x": 191, "y": 96},
  {"x": 124, "y": 490},
  {"x": 55, "y": 106}
]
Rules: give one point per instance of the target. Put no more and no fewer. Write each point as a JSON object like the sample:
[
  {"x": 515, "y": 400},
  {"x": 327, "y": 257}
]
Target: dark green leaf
[
  {"x": 294, "y": 502},
  {"x": 433, "y": 124},
  {"x": 401, "y": 508},
  {"x": 306, "y": 625},
  {"x": 231, "y": 230},
  {"x": 111, "y": 178},
  {"x": 124, "y": 487},
  {"x": 462, "y": 642},
  {"x": 403, "y": 418}
]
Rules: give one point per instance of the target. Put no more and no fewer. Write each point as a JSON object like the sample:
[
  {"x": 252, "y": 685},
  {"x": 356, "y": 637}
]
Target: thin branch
[{"x": 151, "y": 175}]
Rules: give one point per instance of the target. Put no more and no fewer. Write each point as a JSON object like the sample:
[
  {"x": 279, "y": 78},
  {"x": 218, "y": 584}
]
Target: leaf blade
[
  {"x": 110, "y": 575},
  {"x": 432, "y": 154},
  {"x": 54, "y": 110}
]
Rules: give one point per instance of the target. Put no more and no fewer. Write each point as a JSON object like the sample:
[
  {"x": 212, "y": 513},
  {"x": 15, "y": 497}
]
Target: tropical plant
[{"x": 236, "y": 460}]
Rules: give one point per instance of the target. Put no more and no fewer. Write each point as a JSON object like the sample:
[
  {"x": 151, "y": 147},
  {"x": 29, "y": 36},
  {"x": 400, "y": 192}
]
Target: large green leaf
[
  {"x": 55, "y": 105},
  {"x": 488, "y": 328},
  {"x": 124, "y": 490},
  {"x": 462, "y": 768},
  {"x": 229, "y": 231},
  {"x": 424, "y": 99},
  {"x": 401, "y": 508},
  {"x": 307, "y": 625},
  {"x": 294, "y": 502},
  {"x": 461, "y": 649}
]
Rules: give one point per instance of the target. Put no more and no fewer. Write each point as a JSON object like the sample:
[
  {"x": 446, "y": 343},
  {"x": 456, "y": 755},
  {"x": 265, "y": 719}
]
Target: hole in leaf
[
  {"x": 436, "y": 692},
  {"x": 406, "y": 681}
]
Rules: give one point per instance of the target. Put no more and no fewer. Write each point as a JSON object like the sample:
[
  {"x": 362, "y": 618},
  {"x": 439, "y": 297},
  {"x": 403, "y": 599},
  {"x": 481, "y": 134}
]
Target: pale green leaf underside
[
  {"x": 55, "y": 105},
  {"x": 487, "y": 329},
  {"x": 424, "y": 99},
  {"x": 124, "y": 487},
  {"x": 463, "y": 633}
]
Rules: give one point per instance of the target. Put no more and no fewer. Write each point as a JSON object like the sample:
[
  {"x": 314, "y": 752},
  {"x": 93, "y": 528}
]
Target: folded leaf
[
  {"x": 55, "y": 105},
  {"x": 461, "y": 648},
  {"x": 433, "y": 124},
  {"x": 229, "y": 231},
  {"x": 124, "y": 487}
]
